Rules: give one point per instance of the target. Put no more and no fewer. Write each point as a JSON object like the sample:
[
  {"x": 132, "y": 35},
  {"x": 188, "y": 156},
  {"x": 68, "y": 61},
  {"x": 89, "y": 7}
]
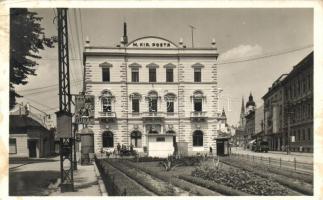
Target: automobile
[{"x": 261, "y": 146}]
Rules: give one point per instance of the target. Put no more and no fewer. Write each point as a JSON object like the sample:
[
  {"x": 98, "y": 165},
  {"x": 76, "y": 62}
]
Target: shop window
[
  {"x": 152, "y": 74},
  {"x": 12, "y": 146},
  {"x": 106, "y": 74},
  {"x": 169, "y": 75},
  {"x": 135, "y": 75},
  {"x": 198, "y": 139},
  {"x": 136, "y": 139},
  {"x": 107, "y": 139}
]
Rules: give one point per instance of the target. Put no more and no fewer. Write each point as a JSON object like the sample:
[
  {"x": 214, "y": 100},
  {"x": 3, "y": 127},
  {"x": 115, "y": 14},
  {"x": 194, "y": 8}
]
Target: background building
[
  {"x": 274, "y": 114},
  {"x": 155, "y": 95},
  {"x": 259, "y": 123},
  {"x": 298, "y": 92},
  {"x": 29, "y": 134}
]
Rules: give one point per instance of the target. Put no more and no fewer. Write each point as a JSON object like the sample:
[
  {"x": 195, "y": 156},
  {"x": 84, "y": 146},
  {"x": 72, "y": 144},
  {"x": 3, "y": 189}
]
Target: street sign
[{"x": 84, "y": 109}]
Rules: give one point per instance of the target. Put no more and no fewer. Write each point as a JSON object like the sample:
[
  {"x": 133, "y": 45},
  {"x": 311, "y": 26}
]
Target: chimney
[{"x": 125, "y": 37}]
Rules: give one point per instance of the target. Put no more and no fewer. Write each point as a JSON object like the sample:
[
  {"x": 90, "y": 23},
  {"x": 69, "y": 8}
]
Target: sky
[{"x": 256, "y": 46}]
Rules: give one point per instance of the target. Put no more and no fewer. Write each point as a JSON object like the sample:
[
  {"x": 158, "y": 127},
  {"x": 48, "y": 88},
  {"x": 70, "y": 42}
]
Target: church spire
[{"x": 242, "y": 113}]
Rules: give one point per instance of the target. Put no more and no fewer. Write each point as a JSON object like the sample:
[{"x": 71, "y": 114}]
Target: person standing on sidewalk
[{"x": 118, "y": 148}]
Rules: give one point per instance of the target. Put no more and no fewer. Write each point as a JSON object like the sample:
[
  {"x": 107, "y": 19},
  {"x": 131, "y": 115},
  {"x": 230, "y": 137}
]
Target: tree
[{"x": 26, "y": 39}]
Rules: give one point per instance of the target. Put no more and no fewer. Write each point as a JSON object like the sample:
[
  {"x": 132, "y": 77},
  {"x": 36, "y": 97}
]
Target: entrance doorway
[
  {"x": 220, "y": 148},
  {"x": 32, "y": 147}
]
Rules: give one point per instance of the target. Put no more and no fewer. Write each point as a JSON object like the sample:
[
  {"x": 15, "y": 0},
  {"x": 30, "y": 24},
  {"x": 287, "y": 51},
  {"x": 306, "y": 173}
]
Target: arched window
[
  {"x": 106, "y": 101},
  {"x": 152, "y": 101},
  {"x": 198, "y": 101},
  {"x": 136, "y": 139},
  {"x": 107, "y": 139},
  {"x": 197, "y": 138},
  {"x": 170, "y": 98}
]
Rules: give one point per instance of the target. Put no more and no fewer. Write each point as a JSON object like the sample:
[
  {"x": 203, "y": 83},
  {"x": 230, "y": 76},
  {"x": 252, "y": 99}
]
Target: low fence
[{"x": 294, "y": 165}]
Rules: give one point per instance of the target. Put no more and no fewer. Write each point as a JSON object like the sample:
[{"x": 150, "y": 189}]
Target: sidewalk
[{"x": 85, "y": 183}]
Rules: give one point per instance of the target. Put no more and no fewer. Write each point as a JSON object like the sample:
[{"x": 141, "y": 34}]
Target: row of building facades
[{"x": 287, "y": 111}]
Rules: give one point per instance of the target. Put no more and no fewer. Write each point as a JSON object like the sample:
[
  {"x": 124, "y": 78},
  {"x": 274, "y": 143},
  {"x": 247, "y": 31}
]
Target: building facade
[
  {"x": 29, "y": 135},
  {"x": 153, "y": 94},
  {"x": 259, "y": 123},
  {"x": 298, "y": 92},
  {"x": 274, "y": 114},
  {"x": 289, "y": 108}
]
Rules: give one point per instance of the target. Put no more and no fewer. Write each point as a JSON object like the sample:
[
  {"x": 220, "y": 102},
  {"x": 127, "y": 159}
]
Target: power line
[
  {"x": 48, "y": 86},
  {"x": 266, "y": 55}
]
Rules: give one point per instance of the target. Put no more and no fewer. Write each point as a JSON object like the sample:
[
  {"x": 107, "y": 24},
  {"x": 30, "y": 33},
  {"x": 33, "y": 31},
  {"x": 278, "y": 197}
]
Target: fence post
[
  {"x": 295, "y": 163},
  {"x": 280, "y": 162}
]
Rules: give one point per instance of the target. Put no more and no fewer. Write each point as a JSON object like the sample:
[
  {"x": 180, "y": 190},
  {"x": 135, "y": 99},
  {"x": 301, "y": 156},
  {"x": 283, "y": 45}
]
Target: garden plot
[
  {"x": 153, "y": 184},
  {"x": 292, "y": 183}
]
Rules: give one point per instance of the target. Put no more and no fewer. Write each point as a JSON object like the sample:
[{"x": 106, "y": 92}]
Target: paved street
[
  {"x": 300, "y": 157},
  {"x": 42, "y": 178}
]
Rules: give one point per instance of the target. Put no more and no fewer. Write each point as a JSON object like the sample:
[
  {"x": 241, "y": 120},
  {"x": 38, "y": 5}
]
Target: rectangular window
[
  {"x": 170, "y": 106},
  {"x": 169, "y": 75},
  {"x": 160, "y": 139},
  {"x": 153, "y": 105},
  {"x": 106, "y": 74},
  {"x": 197, "y": 75},
  {"x": 152, "y": 74},
  {"x": 304, "y": 135},
  {"x": 135, "y": 105},
  {"x": 135, "y": 75},
  {"x": 12, "y": 146},
  {"x": 198, "y": 105}
]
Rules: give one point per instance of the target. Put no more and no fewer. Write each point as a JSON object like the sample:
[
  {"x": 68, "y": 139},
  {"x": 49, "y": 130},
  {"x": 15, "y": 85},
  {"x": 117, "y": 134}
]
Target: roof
[{"x": 22, "y": 122}]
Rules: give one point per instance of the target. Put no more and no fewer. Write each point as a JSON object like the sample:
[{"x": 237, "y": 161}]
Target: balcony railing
[
  {"x": 198, "y": 115},
  {"x": 153, "y": 115},
  {"x": 107, "y": 115}
]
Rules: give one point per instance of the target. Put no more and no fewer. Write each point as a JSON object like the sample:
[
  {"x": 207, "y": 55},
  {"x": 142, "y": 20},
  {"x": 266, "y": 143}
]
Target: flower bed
[
  {"x": 158, "y": 187},
  {"x": 118, "y": 184},
  {"x": 241, "y": 180},
  {"x": 165, "y": 176},
  {"x": 290, "y": 183},
  {"x": 222, "y": 189}
]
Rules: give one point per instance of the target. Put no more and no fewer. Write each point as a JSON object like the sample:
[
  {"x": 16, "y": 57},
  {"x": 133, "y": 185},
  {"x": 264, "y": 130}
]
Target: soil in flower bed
[
  {"x": 241, "y": 180},
  {"x": 153, "y": 184}
]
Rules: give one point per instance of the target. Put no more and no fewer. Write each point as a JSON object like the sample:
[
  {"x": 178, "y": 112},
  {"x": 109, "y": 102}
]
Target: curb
[{"x": 102, "y": 188}]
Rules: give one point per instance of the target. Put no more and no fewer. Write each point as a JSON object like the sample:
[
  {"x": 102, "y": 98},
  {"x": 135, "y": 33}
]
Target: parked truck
[{"x": 260, "y": 146}]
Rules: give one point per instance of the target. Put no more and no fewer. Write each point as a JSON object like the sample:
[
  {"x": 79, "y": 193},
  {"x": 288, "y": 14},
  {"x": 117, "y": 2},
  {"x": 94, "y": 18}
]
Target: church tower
[{"x": 242, "y": 121}]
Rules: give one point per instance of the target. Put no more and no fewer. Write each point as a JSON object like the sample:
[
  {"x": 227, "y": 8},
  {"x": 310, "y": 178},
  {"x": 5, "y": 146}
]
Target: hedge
[{"x": 118, "y": 184}]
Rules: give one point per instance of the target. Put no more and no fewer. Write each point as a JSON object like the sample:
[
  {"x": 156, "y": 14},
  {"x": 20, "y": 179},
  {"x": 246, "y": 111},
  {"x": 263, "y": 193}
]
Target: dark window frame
[
  {"x": 197, "y": 75},
  {"x": 107, "y": 139},
  {"x": 152, "y": 75},
  {"x": 169, "y": 75},
  {"x": 105, "y": 74},
  {"x": 135, "y": 75},
  {"x": 135, "y": 104},
  {"x": 170, "y": 106},
  {"x": 198, "y": 139}
]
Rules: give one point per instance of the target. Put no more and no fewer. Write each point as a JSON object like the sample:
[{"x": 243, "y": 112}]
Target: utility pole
[
  {"x": 64, "y": 115},
  {"x": 192, "y": 31}
]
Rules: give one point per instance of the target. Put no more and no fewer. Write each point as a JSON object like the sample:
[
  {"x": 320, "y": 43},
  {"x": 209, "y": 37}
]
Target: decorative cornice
[{"x": 105, "y": 65}]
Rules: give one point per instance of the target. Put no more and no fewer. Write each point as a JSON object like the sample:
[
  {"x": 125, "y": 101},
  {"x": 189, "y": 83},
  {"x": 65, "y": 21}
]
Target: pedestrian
[
  {"x": 211, "y": 150},
  {"x": 131, "y": 148},
  {"x": 118, "y": 148}
]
